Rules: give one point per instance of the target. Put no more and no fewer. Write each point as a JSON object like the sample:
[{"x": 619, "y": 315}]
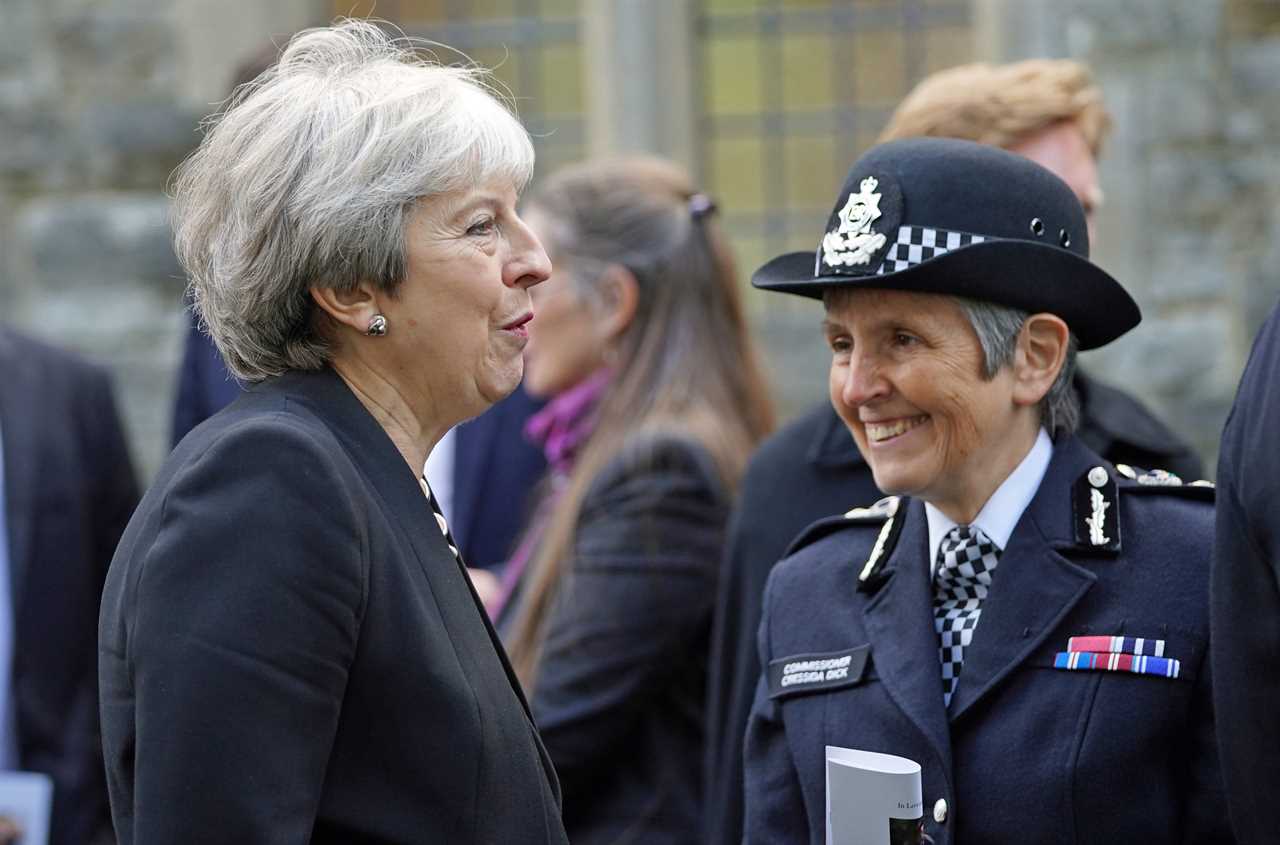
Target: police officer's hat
[{"x": 937, "y": 215}]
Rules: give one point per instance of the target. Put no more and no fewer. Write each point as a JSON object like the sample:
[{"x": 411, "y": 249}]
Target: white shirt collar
[{"x": 1002, "y": 511}]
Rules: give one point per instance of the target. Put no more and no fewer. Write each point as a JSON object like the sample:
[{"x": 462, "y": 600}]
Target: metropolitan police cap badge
[{"x": 853, "y": 242}]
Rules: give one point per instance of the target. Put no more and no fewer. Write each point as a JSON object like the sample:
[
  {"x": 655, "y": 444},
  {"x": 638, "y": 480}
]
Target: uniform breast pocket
[
  {"x": 1135, "y": 649},
  {"x": 1138, "y": 681}
]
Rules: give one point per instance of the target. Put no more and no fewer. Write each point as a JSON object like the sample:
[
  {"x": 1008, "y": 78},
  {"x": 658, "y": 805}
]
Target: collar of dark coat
[
  {"x": 1050, "y": 511},
  {"x": 1110, "y": 414},
  {"x": 832, "y": 444}
]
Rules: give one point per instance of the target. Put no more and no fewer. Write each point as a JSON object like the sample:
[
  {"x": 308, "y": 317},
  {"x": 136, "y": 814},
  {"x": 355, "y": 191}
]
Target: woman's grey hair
[
  {"x": 307, "y": 176},
  {"x": 997, "y": 327}
]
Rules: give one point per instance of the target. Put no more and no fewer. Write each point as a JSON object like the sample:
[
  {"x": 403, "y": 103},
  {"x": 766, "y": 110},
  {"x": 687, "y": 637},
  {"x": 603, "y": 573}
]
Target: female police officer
[{"x": 1026, "y": 621}]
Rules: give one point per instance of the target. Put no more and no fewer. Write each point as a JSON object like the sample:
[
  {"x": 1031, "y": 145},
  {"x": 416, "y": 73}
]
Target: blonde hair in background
[
  {"x": 1002, "y": 105},
  {"x": 686, "y": 365}
]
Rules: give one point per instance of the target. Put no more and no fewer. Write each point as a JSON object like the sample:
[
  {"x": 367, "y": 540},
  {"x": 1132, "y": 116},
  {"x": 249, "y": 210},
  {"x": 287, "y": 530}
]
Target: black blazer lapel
[
  {"x": 402, "y": 495},
  {"x": 1034, "y": 587},
  {"x": 904, "y": 646},
  {"x": 18, "y": 429}
]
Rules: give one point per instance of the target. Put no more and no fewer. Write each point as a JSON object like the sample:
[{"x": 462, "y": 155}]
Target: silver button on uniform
[{"x": 940, "y": 811}]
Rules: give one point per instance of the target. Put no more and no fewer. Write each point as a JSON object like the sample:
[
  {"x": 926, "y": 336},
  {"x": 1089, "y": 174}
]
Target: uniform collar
[{"x": 1003, "y": 510}]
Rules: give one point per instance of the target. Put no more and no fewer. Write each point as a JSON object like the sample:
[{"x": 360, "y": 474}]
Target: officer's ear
[{"x": 1041, "y": 354}]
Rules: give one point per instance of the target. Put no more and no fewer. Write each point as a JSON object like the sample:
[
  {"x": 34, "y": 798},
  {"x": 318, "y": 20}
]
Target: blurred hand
[
  {"x": 10, "y": 832},
  {"x": 486, "y": 584}
]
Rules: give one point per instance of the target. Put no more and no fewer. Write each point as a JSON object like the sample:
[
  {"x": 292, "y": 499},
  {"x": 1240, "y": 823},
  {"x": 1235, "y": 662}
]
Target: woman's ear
[
  {"x": 354, "y": 308},
  {"x": 1041, "y": 354},
  {"x": 619, "y": 298}
]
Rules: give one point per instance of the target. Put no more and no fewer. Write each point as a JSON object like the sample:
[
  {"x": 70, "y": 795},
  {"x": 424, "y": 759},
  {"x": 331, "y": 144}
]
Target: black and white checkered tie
[{"x": 966, "y": 561}]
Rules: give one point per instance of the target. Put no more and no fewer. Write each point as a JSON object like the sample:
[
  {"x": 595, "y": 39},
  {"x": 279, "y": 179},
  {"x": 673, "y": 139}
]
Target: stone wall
[
  {"x": 98, "y": 102},
  {"x": 1191, "y": 218}
]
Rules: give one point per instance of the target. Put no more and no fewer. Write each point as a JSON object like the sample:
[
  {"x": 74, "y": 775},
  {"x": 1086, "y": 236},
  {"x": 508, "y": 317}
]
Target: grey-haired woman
[{"x": 290, "y": 649}]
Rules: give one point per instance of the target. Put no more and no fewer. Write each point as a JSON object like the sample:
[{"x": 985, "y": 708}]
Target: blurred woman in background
[{"x": 657, "y": 401}]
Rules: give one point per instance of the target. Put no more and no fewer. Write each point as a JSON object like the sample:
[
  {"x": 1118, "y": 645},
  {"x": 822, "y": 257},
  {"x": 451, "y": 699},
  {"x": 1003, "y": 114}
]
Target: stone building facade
[{"x": 100, "y": 100}]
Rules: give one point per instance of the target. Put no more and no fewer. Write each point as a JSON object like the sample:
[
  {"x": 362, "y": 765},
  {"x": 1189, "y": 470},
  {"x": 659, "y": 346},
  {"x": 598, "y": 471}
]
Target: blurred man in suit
[
  {"x": 66, "y": 492},
  {"x": 1048, "y": 111},
  {"x": 1245, "y": 593}
]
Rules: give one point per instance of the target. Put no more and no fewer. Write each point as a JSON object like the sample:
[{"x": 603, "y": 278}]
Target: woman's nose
[
  {"x": 529, "y": 264},
  {"x": 863, "y": 382}
]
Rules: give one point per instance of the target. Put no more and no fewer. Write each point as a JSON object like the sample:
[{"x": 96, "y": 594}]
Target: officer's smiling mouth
[{"x": 879, "y": 432}]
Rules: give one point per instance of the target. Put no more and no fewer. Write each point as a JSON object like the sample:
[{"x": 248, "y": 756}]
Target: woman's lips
[
  {"x": 878, "y": 432},
  {"x": 520, "y": 325}
]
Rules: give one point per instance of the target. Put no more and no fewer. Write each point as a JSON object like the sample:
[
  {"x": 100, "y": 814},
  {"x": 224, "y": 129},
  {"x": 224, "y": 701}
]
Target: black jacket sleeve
[{"x": 245, "y": 620}]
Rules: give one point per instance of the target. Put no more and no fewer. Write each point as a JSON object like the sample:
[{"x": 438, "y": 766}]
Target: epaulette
[
  {"x": 1095, "y": 501},
  {"x": 1163, "y": 481},
  {"x": 874, "y": 515}
]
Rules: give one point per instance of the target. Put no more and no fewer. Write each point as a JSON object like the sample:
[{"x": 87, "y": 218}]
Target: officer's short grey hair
[
  {"x": 307, "y": 176},
  {"x": 998, "y": 327}
]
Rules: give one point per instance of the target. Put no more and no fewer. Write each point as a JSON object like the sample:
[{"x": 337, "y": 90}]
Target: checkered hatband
[
  {"x": 966, "y": 561},
  {"x": 917, "y": 244}
]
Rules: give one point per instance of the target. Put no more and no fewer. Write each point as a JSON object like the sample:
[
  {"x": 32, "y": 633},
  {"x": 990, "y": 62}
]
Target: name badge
[{"x": 806, "y": 673}]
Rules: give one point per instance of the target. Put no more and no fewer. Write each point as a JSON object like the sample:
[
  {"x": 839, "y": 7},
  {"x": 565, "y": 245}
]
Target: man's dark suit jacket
[
  {"x": 1246, "y": 593},
  {"x": 495, "y": 469},
  {"x": 69, "y": 489},
  {"x": 810, "y": 469},
  {"x": 289, "y": 651},
  {"x": 495, "y": 472}
]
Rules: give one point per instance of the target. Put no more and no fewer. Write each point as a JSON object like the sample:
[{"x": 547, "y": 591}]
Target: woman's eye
[
  {"x": 482, "y": 227},
  {"x": 903, "y": 339},
  {"x": 840, "y": 345}
]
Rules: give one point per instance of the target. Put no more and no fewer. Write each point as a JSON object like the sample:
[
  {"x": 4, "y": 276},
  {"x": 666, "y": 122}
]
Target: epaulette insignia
[
  {"x": 1163, "y": 481},
  {"x": 883, "y": 509},
  {"x": 890, "y": 509},
  {"x": 886, "y": 511},
  {"x": 1095, "y": 500},
  {"x": 1159, "y": 478}
]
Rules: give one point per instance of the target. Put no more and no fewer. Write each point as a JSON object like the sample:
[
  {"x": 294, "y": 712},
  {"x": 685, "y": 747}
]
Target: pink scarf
[{"x": 560, "y": 429}]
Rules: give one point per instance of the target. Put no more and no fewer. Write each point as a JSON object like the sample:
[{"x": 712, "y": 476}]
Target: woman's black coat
[
  {"x": 289, "y": 652},
  {"x": 621, "y": 687}
]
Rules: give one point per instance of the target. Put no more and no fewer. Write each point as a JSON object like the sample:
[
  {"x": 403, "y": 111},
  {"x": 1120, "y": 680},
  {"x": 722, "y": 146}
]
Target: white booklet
[
  {"x": 872, "y": 799},
  {"x": 26, "y": 799}
]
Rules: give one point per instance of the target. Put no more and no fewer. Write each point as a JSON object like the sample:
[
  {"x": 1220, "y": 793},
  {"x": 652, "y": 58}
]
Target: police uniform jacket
[
  {"x": 810, "y": 469},
  {"x": 289, "y": 651},
  {"x": 1027, "y": 752}
]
